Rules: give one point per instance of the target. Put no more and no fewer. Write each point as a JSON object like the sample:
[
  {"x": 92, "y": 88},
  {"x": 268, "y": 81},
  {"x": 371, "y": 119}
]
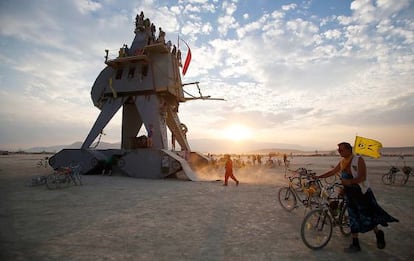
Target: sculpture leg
[{"x": 108, "y": 111}]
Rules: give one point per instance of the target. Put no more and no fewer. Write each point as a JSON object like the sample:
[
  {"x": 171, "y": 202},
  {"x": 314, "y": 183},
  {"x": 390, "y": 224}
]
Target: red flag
[{"x": 187, "y": 59}]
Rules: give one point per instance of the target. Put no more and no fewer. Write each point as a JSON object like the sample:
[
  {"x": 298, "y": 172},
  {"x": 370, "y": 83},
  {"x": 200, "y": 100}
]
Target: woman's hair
[{"x": 345, "y": 145}]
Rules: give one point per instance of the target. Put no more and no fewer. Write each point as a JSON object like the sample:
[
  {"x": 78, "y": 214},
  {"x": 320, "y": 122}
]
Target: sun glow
[{"x": 237, "y": 133}]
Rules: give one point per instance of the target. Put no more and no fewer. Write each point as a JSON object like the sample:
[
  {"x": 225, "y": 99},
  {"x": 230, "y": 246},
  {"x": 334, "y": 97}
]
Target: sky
[{"x": 310, "y": 72}]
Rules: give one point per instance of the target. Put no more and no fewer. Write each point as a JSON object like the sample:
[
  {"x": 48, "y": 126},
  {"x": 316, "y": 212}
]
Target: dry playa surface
[{"x": 123, "y": 218}]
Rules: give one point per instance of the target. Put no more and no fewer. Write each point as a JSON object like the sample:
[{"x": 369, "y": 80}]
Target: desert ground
[{"x": 122, "y": 218}]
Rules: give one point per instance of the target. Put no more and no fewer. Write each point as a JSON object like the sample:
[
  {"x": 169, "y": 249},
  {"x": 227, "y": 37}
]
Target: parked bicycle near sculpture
[
  {"x": 317, "y": 226},
  {"x": 64, "y": 177},
  {"x": 43, "y": 163},
  {"x": 398, "y": 175}
]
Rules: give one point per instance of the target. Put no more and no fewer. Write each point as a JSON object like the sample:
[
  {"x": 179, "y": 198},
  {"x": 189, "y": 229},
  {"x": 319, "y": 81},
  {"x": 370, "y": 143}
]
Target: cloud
[
  {"x": 288, "y": 7},
  {"x": 87, "y": 6},
  {"x": 396, "y": 111},
  {"x": 280, "y": 67},
  {"x": 332, "y": 34},
  {"x": 227, "y": 21}
]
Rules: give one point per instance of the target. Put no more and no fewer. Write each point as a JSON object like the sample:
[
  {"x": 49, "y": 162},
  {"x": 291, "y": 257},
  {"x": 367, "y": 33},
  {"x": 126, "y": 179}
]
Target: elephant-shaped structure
[{"x": 144, "y": 80}]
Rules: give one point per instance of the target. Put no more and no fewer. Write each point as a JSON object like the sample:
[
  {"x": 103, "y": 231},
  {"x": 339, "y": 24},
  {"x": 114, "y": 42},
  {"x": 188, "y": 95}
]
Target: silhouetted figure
[{"x": 229, "y": 171}]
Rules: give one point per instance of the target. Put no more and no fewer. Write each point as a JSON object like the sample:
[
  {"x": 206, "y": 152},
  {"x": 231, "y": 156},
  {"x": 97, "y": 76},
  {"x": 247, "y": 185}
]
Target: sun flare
[{"x": 237, "y": 133}]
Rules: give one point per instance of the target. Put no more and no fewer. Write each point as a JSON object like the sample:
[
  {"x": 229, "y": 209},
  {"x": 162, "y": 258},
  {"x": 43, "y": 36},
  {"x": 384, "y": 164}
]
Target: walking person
[
  {"x": 364, "y": 212},
  {"x": 229, "y": 171},
  {"x": 285, "y": 160}
]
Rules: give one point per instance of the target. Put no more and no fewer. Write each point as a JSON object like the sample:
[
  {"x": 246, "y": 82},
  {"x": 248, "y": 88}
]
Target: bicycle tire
[
  {"x": 51, "y": 182},
  {"x": 316, "y": 229},
  {"x": 387, "y": 179},
  {"x": 344, "y": 225},
  {"x": 287, "y": 198}
]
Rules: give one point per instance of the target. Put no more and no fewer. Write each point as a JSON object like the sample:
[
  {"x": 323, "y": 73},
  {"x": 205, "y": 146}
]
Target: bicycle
[
  {"x": 64, "y": 177},
  {"x": 288, "y": 196},
  {"x": 397, "y": 175},
  {"x": 43, "y": 162},
  {"x": 317, "y": 226}
]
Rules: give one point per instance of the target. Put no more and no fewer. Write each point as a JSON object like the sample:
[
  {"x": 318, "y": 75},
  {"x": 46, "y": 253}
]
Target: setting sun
[{"x": 237, "y": 132}]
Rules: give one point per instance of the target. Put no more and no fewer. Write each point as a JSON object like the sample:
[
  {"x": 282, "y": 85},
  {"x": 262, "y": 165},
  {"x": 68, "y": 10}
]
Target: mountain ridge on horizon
[
  {"x": 225, "y": 146},
  {"x": 201, "y": 145}
]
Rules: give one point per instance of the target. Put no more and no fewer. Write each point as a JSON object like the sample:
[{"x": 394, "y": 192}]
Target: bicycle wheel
[
  {"x": 51, "y": 182},
  {"x": 344, "y": 224},
  {"x": 287, "y": 198},
  {"x": 387, "y": 179},
  {"x": 316, "y": 229}
]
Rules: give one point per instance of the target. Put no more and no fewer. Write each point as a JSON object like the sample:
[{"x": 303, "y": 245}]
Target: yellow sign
[{"x": 367, "y": 147}]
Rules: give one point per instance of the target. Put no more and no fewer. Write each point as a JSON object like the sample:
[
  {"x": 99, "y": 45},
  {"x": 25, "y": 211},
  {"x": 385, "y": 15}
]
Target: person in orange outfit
[{"x": 229, "y": 171}]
